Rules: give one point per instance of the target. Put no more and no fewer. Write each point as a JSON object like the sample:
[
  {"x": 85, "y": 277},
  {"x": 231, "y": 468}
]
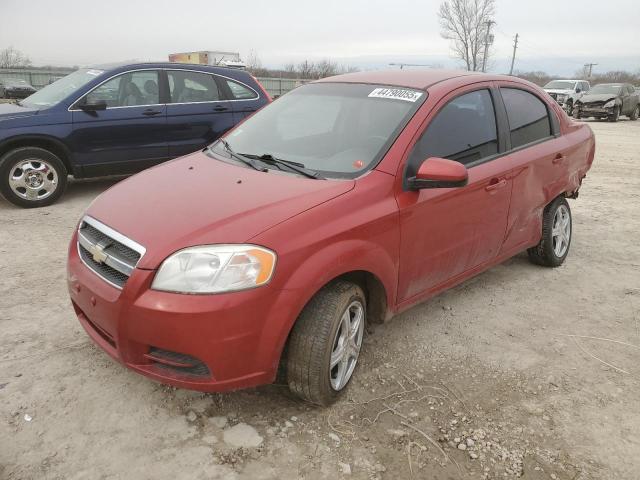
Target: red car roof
[{"x": 420, "y": 79}]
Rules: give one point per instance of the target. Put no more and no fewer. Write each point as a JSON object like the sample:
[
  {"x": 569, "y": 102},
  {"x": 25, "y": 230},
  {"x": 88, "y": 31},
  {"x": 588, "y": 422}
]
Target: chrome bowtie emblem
[{"x": 97, "y": 252}]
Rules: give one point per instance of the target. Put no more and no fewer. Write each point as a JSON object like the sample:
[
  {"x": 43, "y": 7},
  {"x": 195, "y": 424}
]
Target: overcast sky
[{"x": 558, "y": 36}]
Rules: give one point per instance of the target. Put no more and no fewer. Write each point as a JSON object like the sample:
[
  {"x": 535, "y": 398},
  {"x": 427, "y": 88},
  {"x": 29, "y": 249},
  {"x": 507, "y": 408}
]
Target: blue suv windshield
[{"x": 61, "y": 89}]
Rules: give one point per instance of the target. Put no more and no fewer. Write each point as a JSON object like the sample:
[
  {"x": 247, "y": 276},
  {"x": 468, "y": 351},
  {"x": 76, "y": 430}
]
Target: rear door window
[
  {"x": 463, "y": 130},
  {"x": 192, "y": 87},
  {"x": 528, "y": 116}
]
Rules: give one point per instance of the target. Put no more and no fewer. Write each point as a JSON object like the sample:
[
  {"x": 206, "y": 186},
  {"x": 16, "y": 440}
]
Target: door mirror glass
[
  {"x": 578, "y": 90},
  {"x": 439, "y": 173}
]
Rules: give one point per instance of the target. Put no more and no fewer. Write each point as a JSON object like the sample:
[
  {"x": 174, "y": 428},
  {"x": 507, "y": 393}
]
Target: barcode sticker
[{"x": 396, "y": 94}]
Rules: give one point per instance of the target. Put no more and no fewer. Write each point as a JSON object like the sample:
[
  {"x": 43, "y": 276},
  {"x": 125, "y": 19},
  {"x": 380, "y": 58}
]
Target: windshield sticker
[
  {"x": 396, "y": 94},
  {"x": 94, "y": 72}
]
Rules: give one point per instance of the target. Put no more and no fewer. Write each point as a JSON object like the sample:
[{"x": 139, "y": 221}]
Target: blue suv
[{"x": 116, "y": 120}]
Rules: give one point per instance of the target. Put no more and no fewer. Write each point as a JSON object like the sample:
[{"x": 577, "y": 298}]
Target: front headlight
[
  {"x": 610, "y": 103},
  {"x": 215, "y": 269},
  {"x": 562, "y": 98}
]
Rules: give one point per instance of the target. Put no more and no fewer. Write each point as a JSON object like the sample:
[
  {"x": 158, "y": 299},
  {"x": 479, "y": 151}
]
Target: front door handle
[
  {"x": 558, "y": 159},
  {"x": 495, "y": 184},
  {"x": 220, "y": 108},
  {"x": 150, "y": 112}
]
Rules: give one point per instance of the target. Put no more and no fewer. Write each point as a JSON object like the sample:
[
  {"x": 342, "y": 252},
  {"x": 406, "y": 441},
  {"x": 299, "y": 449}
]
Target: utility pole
[
  {"x": 486, "y": 43},
  {"x": 590, "y": 67},
  {"x": 513, "y": 58}
]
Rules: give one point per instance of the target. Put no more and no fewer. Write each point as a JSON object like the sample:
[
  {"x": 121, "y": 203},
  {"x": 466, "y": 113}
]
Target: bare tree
[
  {"x": 12, "y": 58},
  {"x": 306, "y": 69},
  {"x": 325, "y": 68},
  {"x": 537, "y": 77},
  {"x": 465, "y": 23},
  {"x": 582, "y": 72},
  {"x": 253, "y": 62}
]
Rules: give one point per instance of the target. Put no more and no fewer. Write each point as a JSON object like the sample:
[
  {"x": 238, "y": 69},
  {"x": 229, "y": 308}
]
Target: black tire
[
  {"x": 616, "y": 114},
  {"x": 635, "y": 113},
  {"x": 569, "y": 107},
  {"x": 545, "y": 253},
  {"x": 55, "y": 171},
  {"x": 312, "y": 341},
  {"x": 576, "y": 114}
]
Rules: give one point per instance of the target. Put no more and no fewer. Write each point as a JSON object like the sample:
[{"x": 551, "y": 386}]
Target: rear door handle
[
  {"x": 149, "y": 112},
  {"x": 558, "y": 158},
  {"x": 495, "y": 184},
  {"x": 220, "y": 108}
]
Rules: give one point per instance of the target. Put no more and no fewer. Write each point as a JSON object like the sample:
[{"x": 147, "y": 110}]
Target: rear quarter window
[
  {"x": 240, "y": 92},
  {"x": 528, "y": 117}
]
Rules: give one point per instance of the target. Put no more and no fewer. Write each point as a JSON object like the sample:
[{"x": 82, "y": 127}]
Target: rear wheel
[
  {"x": 32, "y": 177},
  {"x": 635, "y": 113},
  {"x": 556, "y": 235},
  {"x": 325, "y": 343}
]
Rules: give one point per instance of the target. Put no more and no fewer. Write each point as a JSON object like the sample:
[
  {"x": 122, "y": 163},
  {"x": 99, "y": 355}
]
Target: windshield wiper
[
  {"x": 295, "y": 166},
  {"x": 244, "y": 159}
]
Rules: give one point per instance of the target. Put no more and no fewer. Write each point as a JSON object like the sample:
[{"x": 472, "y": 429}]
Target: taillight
[{"x": 266, "y": 94}]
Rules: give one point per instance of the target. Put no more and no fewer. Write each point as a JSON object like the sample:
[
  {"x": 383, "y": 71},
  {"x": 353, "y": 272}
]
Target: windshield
[
  {"x": 339, "y": 130},
  {"x": 605, "y": 88},
  {"x": 560, "y": 85},
  {"x": 61, "y": 89}
]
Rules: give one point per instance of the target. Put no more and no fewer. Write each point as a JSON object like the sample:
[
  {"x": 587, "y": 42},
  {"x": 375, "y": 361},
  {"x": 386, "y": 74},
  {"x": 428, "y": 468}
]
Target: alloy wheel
[
  {"x": 561, "y": 231},
  {"x": 346, "y": 345},
  {"x": 33, "y": 179}
]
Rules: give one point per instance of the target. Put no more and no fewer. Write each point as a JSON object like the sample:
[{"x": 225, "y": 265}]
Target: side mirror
[
  {"x": 578, "y": 90},
  {"x": 439, "y": 173},
  {"x": 93, "y": 105}
]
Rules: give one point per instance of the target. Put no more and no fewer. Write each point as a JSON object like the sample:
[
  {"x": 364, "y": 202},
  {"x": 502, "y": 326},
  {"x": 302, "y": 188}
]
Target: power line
[{"x": 402, "y": 65}]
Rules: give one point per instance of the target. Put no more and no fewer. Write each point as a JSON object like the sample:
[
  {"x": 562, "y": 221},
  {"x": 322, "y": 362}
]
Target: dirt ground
[{"x": 520, "y": 372}]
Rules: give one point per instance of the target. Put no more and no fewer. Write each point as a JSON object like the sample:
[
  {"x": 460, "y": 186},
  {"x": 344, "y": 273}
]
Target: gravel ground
[{"x": 520, "y": 372}]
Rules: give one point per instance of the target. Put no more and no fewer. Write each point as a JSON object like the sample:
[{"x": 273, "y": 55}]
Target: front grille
[
  {"x": 593, "y": 104},
  {"x": 105, "y": 271},
  {"x": 179, "y": 363},
  {"x": 109, "y": 254}
]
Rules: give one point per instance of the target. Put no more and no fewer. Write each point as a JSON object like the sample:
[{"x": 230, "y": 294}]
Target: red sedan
[{"x": 346, "y": 201}]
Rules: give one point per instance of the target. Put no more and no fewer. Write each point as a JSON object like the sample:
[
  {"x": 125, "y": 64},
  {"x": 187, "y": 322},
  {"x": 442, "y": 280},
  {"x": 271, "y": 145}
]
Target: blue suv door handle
[
  {"x": 220, "y": 108},
  {"x": 149, "y": 112}
]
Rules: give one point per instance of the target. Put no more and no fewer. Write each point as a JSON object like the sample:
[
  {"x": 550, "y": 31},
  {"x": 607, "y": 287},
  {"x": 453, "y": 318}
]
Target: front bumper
[
  {"x": 214, "y": 342},
  {"x": 588, "y": 111}
]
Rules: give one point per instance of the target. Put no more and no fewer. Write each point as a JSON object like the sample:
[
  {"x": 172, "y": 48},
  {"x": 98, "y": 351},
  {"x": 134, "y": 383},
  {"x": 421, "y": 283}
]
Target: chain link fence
[{"x": 40, "y": 78}]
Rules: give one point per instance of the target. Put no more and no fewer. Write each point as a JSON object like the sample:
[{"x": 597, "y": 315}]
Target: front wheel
[
  {"x": 325, "y": 343},
  {"x": 569, "y": 108},
  {"x": 634, "y": 114},
  {"x": 32, "y": 177},
  {"x": 615, "y": 115},
  {"x": 556, "y": 235}
]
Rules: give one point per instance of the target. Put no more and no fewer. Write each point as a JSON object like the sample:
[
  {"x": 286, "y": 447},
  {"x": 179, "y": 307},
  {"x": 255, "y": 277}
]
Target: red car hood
[{"x": 197, "y": 200}]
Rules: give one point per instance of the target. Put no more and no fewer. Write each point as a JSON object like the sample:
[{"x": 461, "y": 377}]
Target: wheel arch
[
  {"x": 377, "y": 307},
  {"x": 360, "y": 262},
  {"x": 45, "y": 142}
]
